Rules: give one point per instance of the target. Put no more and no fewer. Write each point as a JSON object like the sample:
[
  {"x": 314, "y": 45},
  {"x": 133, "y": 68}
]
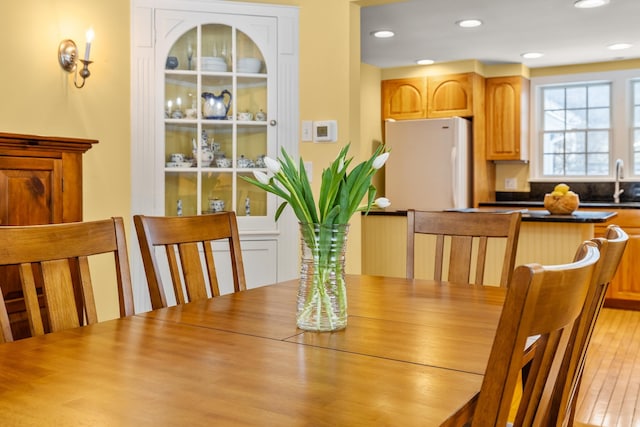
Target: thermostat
[{"x": 325, "y": 131}]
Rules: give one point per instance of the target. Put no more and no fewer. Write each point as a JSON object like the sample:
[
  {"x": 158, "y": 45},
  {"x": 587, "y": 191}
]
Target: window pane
[
  {"x": 598, "y": 164},
  {"x": 598, "y": 142},
  {"x": 553, "y": 142},
  {"x": 576, "y": 142},
  {"x": 576, "y": 119},
  {"x": 599, "y": 118},
  {"x": 554, "y": 120},
  {"x": 636, "y": 116},
  {"x": 577, "y": 97},
  {"x": 636, "y": 163},
  {"x": 599, "y": 96},
  {"x": 576, "y": 164},
  {"x": 553, "y": 164},
  {"x": 553, "y": 99},
  {"x": 636, "y": 92}
]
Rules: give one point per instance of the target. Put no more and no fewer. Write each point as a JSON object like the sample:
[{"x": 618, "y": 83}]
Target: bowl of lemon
[{"x": 561, "y": 201}]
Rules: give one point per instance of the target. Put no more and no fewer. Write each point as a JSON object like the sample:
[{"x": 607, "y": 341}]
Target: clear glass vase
[{"x": 322, "y": 294}]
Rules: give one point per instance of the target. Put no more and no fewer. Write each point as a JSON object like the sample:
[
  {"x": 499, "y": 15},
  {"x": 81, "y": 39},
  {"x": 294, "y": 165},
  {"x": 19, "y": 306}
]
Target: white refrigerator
[{"x": 429, "y": 167}]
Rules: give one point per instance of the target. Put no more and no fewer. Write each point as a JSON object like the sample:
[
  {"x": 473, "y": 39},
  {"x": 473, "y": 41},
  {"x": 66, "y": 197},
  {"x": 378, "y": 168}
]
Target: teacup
[
  {"x": 243, "y": 162},
  {"x": 192, "y": 113},
  {"x": 223, "y": 162},
  {"x": 216, "y": 205},
  {"x": 245, "y": 116},
  {"x": 177, "y": 157}
]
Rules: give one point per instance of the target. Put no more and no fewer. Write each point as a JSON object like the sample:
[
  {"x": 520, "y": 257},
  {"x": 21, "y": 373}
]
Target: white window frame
[{"x": 621, "y": 146}]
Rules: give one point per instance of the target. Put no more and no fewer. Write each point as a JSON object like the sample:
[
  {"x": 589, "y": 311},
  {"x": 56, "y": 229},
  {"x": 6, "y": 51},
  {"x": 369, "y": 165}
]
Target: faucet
[{"x": 619, "y": 175}]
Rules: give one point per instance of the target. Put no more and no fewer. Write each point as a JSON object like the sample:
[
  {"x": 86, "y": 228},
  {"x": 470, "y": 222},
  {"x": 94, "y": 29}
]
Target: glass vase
[{"x": 322, "y": 294}]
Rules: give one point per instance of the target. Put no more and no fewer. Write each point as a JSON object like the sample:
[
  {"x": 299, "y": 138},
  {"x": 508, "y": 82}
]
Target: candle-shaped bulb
[
  {"x": 169, "y": 105},
  {"x": 90, "y": 35},
  {"x": 179, "y": 103}
]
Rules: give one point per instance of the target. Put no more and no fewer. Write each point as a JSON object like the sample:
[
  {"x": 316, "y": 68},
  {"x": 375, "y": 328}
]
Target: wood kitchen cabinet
[
  {"x": 507, "y": 117},
  {"x": 453, "y": 95},
  {"x": 624, "y": 289},
  {"x": 404, "y": 99},
  {"x": 40, "y": 183}
]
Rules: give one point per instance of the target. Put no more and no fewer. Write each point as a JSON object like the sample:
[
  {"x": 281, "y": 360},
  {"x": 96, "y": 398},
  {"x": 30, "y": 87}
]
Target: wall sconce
[{"x": 67, "y": 54}]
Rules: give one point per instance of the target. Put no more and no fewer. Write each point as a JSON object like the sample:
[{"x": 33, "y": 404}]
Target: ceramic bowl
[{"x": 249, "y": 65}]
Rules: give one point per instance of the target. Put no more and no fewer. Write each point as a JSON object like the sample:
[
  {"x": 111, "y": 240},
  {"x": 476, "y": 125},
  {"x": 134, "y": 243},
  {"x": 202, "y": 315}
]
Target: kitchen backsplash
[{"x": 588, "y": 192}]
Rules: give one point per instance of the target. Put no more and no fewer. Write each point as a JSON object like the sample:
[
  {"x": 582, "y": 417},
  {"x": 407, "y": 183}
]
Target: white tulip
[
  {"x": 382, "y": 202},
  {"x": 380, "y": 160},
  {"x": 272, "y": 165},
  {"x": 262, "y": 177}
]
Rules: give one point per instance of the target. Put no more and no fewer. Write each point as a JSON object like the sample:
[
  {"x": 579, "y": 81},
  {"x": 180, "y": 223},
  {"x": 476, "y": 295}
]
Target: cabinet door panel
[
  {"x": 404, "y": 98},
  {"x": 507, "y": 118},
  {"x": 450, "y": 95},
  {"x": 31, "y": 191}
]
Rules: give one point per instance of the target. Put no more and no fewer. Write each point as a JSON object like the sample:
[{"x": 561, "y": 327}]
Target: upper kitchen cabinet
[
  {"x": 214, "y": 90},
  {"x": 404, "y": 99},
  {"x": 453, "y": 95},
  {"x": 507, "y": 117}
]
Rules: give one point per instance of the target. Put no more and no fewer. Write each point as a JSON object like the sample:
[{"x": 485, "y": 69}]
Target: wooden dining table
[{"x": 413, "y": 354}]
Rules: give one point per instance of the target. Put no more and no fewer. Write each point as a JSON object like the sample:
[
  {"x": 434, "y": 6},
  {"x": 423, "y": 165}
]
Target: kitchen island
[
  {"x": 624, "y": 289},
  {"x": 544, "y": 238}
]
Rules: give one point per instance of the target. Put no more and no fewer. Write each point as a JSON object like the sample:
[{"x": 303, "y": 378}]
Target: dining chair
[
  {"x": 53, "y": 263},
  {"x": 542, "y": 301},
  {"x": 562, "y": 408},
  {"x": 468, "y": 233},
  {"x": 183, "y": 238}
]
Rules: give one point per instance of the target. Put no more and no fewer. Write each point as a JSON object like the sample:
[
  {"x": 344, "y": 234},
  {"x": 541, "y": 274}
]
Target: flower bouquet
[{"x": 322, "y": 298}]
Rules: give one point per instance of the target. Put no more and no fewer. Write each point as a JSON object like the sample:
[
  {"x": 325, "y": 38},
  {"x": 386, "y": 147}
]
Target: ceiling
[{"x": 565, "y": 34}]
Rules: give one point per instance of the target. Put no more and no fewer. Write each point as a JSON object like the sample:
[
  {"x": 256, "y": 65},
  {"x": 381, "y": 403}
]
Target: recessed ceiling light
[
  {"x": 469, "y": 23},
  {"x": 619, "y": 46},
  {"x": 532, "y": 55},
  {"x": 588, "y": 4},
  {"x": 425, "y": 61},
  {"x": 383, "y": 34}
]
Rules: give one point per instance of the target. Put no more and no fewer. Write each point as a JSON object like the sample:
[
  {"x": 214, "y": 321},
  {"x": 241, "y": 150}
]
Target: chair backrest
[
  {"x": 542, "y": 301},
  {"x": 55, "y": 258},
  {"x": 463, "y": 228},
  {"x": 183, "y": 238},
  {"x": 562, "y": 407}
]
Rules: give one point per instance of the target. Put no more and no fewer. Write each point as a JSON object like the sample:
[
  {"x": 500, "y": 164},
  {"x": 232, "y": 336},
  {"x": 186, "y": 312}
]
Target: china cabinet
[
  {"x": 507, "y": 117},
  {"x": 214, "y": 91},
  {"x": 40, "y": 183}
]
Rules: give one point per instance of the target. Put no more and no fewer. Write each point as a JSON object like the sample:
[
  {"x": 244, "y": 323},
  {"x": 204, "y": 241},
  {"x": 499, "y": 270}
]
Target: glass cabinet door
[{"x": 218, "y": 94}]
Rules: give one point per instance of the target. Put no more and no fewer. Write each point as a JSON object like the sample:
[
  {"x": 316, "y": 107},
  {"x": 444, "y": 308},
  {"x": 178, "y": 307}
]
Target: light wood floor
[{"x": 610, "y": 391}]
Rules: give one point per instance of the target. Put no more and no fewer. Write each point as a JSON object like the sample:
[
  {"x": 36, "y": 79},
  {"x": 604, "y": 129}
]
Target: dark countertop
[
  {"x": 530, "y": 204},
  {"x": 583, "y": 217}
]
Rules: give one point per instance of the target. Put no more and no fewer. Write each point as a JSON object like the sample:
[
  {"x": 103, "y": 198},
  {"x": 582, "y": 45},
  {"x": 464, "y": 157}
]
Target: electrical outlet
[{"x": 510, "y": 183}]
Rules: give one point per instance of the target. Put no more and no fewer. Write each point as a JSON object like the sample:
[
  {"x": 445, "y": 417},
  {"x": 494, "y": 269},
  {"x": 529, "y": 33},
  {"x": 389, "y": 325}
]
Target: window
[
  {"x": 582, "y": 123},
  {"x": 576, "y": 128}
]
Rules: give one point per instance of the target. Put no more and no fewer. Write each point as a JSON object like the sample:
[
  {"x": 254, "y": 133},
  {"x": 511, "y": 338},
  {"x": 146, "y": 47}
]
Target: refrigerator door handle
[{"x": 454, "y": 176}]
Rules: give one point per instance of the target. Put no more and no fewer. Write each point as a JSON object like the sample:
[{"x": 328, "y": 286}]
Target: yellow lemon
[
  {"x": 557, "y": 193},
  {"x": 562, "y": 188}
]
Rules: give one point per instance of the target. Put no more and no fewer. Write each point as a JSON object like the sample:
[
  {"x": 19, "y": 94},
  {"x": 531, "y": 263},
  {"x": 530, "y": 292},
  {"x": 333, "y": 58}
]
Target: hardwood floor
[{"x": 610, "y": 391}]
